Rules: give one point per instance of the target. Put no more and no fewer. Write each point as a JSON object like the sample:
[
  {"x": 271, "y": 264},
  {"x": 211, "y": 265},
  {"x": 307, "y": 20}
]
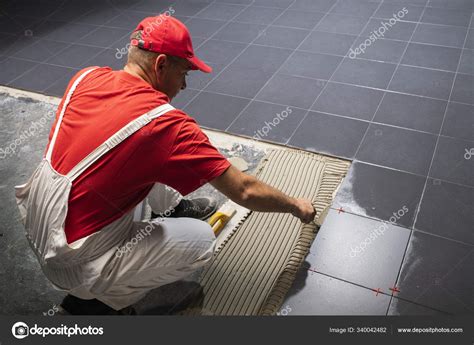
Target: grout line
[{"x": 417, "y": 210}]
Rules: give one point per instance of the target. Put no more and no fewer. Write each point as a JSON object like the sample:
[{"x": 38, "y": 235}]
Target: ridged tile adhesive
[{"x": 254, "y": 267}]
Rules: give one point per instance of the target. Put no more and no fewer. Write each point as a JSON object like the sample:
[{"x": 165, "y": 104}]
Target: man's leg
[{"x": 163, "y": 199}]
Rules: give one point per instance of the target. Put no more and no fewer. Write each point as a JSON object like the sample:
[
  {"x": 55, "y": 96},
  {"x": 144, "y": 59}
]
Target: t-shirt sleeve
[{"x": 193, "y": 160}]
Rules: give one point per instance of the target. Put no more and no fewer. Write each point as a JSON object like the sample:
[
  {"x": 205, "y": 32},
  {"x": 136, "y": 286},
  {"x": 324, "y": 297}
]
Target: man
[{"x": 115, "y": 141}]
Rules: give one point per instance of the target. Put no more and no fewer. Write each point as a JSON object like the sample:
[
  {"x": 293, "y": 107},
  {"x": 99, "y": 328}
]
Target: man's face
[{"x": 171, "y": 74}]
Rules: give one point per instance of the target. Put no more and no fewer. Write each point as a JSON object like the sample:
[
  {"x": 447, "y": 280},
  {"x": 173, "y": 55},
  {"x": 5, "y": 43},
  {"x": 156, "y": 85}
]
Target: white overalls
[{"x": 120, "y": 263}]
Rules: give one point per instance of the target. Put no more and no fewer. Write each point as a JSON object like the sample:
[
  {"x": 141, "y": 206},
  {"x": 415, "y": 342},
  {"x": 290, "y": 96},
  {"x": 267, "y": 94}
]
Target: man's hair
[{"x": 144, "y": 58}]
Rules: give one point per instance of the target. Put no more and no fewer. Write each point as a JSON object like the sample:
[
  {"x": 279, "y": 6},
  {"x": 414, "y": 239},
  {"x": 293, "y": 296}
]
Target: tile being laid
[
  {"x": 398, "y": 148},
  {"x": 437, "y": 273},
  {"x": 380, "y": 193},
  {"x": 447, "y": 210},
  {"x": 359, "y": 250},
  {"x": 423, "y": 82},
  {"x": 317, "y": 294}
]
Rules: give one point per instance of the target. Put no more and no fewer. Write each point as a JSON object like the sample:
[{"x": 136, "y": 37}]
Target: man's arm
[{"x": 255, "y": 195}]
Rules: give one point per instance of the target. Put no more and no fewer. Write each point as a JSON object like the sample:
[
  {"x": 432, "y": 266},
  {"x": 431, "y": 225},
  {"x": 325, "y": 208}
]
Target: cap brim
[{"x": 198, "y": 64}]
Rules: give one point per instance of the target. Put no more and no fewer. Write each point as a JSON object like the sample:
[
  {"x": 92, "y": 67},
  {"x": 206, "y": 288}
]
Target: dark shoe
[
  {"x": 72, "y": 305},
  {"x": 199, "y": 208}
]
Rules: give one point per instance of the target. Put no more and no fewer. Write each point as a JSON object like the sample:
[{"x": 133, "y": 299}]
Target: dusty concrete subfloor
[{"x": 24, "y": 290}]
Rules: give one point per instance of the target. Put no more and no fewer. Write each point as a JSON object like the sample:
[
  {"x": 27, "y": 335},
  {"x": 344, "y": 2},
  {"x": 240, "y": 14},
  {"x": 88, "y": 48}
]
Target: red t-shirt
[{"x": 171, "y": 149}]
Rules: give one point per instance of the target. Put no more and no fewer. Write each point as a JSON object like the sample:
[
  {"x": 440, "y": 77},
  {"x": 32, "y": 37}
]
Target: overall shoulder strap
[
  {"x": 117, "y": 138},
  {"x": 63, "y": 110}
]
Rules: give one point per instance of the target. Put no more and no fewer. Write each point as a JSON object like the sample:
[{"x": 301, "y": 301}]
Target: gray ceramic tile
[
  {"x": 75, "y": 56},
  {"x": 423, "y": 82},
  {"x": 269, "y": 122},
  {"x": 11, "y": 44},
  {"x": 318, "y": 294},
  {"x": 341, "y": 24},
  {"x": 198, "y": 80},
  {"x": 329, "y": 134},
  {"x": 273, "y": 3},
  {"x": 364, "y": 72},
  {"x": 189, "y": 8},
  {"x": 470, "y": 39},
  {"x": 420, "y": 113},
  {"x": 311, "y": 65},
  {"x": 240, "y": 32},
  {"x": 313, "y": 5},
  {"x": 454, "y": 4},
  {"x": 258, "y": 15},
  {"x": 459, "y": 121},
  {"x": 355, "y": 8},
  {"x": 398, "y": 31},
  {"x": 447, "y": 210},
  {"x": 215, "y": 111},
  {"x": 199, "y": 27},
  {"x": 220, "y": 11},
  {"x": 41, "y": 50},
  {"x": 108, "y": 57},
  {"x": 58, "y": 87},
  {"x": 152, "y": 5},
  {"x": 446, "y": 17},
  {"x": 238, "y": 81},
  {"x": 13, "y": 68},
  {"x": 104, "y": 37},
  {"x": 380, "y": 193},
  {"x": 360, "y": 250},
  {"x": 268, "y": 59},
  {"x": 387, "y": 10},
  {"x": 41, "y": 77},
  {"x": 127, "y": 20},
  {"x": 452, "y": 36},
  {"x": 348, "y": 100},
  {"x": 70, "y": 32},
  {"x": 450, "y": 161},
  {"x": 436, "y": 272},
  {"x": 328, "y": 43},
  {"x": 289, "y": 90},
  {"x": 467, "y": 62},
  {"x": 380, "y": 50},
  {"x": 430, "y": 56},
  {"x": 398, "y": 148},
  {"x": 98, "y": 17},
  {"x": 299, "y": 19},
  {"x": 183, "y": 98},
  {"x": 218, "y": 51},
  {"x": 282, "y": 37},
  {"x": 463, "y": 90},
  {"x": 401, "y": 307}
]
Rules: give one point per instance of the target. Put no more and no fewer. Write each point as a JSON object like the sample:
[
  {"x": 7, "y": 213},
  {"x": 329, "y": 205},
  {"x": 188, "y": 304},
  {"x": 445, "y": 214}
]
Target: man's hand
[{"x": 304, "y": 210}]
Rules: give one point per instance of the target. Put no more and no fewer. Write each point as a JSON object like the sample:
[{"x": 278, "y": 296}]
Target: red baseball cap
[{"x": 167, "y": 35}]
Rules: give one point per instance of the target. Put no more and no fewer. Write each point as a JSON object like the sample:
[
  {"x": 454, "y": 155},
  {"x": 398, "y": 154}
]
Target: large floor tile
[
  {"x": 289, "y": 90},
  {"x": 459, "y": 121},
  {"x": 437, "y": 273},
  {"x": 425, "y": 55},
  {"x": 189, "y": 8},
  {"x": 218, "y": 51},
  {"x": 467, "y": 62},
  {"x": 327, "y": 43},
  {"x": 423, "y": 82},
  {"x": 398, "y": 148},
  {"x": 329, "y": 134},
  {"x": 41, "y": 77},
  {"x": 313, "y": 5},
  {"x": 420, "y": 113},
  {"x": 360, "y": 250},
  {"x": 200, "y": 27},
  {"x": 215, "y": 111},
  {"x": 387, "y": 10},
  {"x": 220, "y": 11},
  {"x": 75, "y": 56},
  {"x": 452, "y": 36},
  {"x": 108, "y": 57},
  {"x": 378, "y": 192},
  {"x": 13, "y": 68},
  {"x": 104, "y": 37},
  {"x": 183, "y": 98},
  {"x": 450, "y": 161},
  {"x": 282, "y": 37},
  {"x": 68, "y": 32},
  {"x": 348, "y": 100},
  {"x": 365, "y": 73},
  {"x": 355, "y": 8},
  {"x": 380, "y": 50},
  {"x": 398, "y": 31},
  {"x": 267, "y": 59},
  {"x": 258, "y": 15},
  {"x": 452, "y": 4},
  {"x": 265, "y": 121},
  {"x": 341, "y": 24},
  {"x": 463, "y": 90},
  {"x": 447, "y": 210},
  {"x": 400, "y": 307},
  {"x": 58, "y": 87},
  {"x": 318, "y": 294},
  {"x": 470, "y": 39},
  {"x": 126, "y": 20},
  {"x": 240, "y": 32},
  {"x": 299, "y": 19},
  {"x": 446, "y": 16},
  {"x": 313, "y": 65},
  {"x": 198, "y": 80},
  {"x": 41, "y": 50}
]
